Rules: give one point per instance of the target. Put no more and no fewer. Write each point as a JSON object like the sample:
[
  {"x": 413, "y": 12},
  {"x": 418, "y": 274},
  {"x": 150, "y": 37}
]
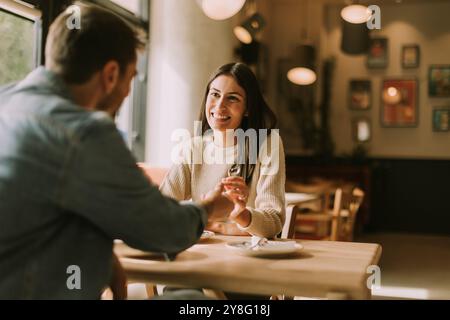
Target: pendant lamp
[{"x": 220, "y": 9}]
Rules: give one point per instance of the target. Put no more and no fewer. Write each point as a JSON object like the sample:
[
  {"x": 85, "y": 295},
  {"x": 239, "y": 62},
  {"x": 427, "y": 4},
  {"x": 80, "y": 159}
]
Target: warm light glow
[
  {"x": 392, "y": 92},
  {"x": 392, "y": 95},
  {"x": 356, "y": 13},
  {"x": 220, "y": 9},
  {"x": 302, "y": 76},
  {"x": 363, "y": 131},
  {"x": 243, "y": 35}
]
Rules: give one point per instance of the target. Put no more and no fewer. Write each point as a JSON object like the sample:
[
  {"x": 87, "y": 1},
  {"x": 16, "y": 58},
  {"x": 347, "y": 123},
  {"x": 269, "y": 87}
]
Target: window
[
  {"x": 22, "y": 37},
  {"x": 131, "y": 119},
  {"x": 19, "y": 40},
  {"x": 133, "y": 6}
]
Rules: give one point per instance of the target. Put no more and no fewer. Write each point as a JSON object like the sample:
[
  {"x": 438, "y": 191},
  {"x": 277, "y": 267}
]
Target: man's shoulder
[
  {"x": 81, "y": 122},
  {"x": 5, "y": 88},
  {"x": 54, "y": 112},
  {"x": 75, "y": 119}
]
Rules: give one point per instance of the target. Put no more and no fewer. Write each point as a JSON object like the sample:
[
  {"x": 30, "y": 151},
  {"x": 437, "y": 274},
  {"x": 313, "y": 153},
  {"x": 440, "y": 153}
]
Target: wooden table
[
  {"x": 300, "y": 198},
  {"x": 321, "y": 269}
]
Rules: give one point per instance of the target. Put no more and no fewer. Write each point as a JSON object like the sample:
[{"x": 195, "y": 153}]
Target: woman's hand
[
  {"x": 226, "y": 228},
  {"x": 237, "y": 191}
]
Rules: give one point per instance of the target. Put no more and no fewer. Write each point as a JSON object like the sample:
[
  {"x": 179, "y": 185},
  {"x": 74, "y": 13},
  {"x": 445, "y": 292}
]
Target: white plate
[
  {"x": 272, "y": 248},
  {"x": 207, "y": 234}
]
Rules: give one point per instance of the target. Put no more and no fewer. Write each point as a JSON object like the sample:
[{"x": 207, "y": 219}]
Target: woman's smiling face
[{"x": 226, "y": 104}]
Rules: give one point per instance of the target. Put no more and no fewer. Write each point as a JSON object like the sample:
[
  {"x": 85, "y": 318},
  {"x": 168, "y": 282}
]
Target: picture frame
[
  {"x": 441, "y": 120},
  {"x": 361, "y": 129},
  {"x": 410, "y": 56},
  {"x": 360, "y": 94},
  {"x": 399, "y": 103},
  {"x": 439, "y": 81},
  {"x": 377, "y": 56}
]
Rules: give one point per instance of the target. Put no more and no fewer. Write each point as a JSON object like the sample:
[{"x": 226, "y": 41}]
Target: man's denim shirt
[{"x": 68, "y": 187}]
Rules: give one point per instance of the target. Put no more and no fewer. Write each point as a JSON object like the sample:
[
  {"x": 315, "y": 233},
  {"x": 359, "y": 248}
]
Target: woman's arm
[
  {"x": 268, "y": 214},
  {"x": 177, "y": 183}
]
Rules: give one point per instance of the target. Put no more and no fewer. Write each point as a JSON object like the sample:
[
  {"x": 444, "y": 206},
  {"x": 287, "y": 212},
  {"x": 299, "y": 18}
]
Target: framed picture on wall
[
  {"x": 361, "y": 130},
  {"x": 360, "y": 94},
  {"x": 441, "y": 120},
  {"x": 378, "y": 53},
  {"x": 410, "y": 56},
  {"x": 399, "y": 103},
  {"x": 439, "y": 81}
]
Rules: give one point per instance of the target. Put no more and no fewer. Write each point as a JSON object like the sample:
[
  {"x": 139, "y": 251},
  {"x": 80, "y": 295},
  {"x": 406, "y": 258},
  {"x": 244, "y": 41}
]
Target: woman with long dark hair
[{"x": 245, "y": 155}]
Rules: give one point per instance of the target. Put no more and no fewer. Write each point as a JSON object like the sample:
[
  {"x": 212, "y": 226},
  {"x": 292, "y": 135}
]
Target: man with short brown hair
[{"x": 68, "y": 183}]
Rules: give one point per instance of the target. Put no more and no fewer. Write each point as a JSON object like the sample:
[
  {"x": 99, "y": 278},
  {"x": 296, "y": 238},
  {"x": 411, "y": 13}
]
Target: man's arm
[{"x": 102, "y": 183}]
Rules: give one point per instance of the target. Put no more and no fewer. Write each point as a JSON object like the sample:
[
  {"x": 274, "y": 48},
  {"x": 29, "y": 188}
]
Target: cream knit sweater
[{"x": 188, "y": 180}]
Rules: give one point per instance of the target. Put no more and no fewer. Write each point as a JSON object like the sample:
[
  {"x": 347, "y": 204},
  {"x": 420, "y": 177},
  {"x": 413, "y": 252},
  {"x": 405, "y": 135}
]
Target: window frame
[
  {"x": 50, "y": 9},
  {"x": 136, "y": 135},
  {"x": 29, "y": 13}
]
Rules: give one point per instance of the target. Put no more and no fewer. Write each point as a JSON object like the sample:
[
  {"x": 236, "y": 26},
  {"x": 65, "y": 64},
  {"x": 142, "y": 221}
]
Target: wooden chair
[
  {"x": 156, "y": 174},
  {"x": 288, "y": 231},
  {"x": 338, "y": 221},
  {"x": 322, "y": 188},
  {"x": 350, "y": 204}
]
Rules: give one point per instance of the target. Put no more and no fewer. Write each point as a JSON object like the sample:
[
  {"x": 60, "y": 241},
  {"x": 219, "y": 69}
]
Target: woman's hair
[{"x": 258, "y": 114}]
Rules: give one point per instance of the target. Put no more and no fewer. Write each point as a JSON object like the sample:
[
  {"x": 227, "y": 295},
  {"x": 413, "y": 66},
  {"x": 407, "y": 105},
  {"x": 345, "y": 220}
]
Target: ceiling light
[
  {"x": 302, "y": 72},
  {"x": 247, "y": 31},
  {"x": 356, "y": 13},
  {"x": 221, "y": 9}
]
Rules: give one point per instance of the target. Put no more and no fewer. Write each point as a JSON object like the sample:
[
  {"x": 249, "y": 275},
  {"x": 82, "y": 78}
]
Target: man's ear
[{"x": 110, "y": 76}]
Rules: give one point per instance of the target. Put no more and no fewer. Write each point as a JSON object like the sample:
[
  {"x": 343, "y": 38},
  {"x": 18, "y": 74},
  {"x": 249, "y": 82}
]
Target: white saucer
[
  {"x": 272, "y": 248},
  {"x": 207, "y": 234}
]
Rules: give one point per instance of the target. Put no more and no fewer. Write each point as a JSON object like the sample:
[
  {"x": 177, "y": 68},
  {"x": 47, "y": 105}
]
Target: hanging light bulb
[
  {"x": 356, "y": 13},
  {"x": 247, "y": 31},
  {"x": 221, "y": 9},
  {"x": 302, "y": 72},
  {"x": 355, "y": 33},
  {"x": 302, "y": 76}
]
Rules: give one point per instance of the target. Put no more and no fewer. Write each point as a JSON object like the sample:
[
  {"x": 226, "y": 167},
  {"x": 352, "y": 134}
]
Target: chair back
[
  {"x": 288, "y": 231},
  {"x": 336, "y": 215},
  {"x": 352, "y": 205},
  {"x": 156, "y": 174},
  {"x": 346, "y": 208}
]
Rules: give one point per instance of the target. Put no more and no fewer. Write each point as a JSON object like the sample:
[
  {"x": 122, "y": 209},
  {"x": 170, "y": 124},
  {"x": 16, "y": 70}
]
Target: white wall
[
  {"x": 426, "y": 24},
  {"x": 185, "y": 48}
]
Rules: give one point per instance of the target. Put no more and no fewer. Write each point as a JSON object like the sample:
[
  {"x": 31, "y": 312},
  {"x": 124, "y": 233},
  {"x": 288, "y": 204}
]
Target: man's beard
[{"x": 110, "y": 104}]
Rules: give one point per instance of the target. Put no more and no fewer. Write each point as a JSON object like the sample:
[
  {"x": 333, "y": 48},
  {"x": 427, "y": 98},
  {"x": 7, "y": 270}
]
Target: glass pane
[
  {"x": 123, "y": 120},
  {"x": 17, "y": 39},
  {"x": 130, "y": 5}
]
